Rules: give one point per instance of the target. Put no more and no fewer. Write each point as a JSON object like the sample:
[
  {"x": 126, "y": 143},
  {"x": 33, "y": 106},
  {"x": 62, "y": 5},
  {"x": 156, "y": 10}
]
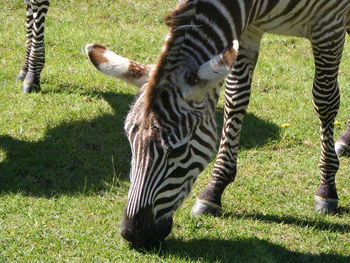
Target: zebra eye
[
  {"x": 135, "y": 129},
  {"x": 192, "y": 78}
]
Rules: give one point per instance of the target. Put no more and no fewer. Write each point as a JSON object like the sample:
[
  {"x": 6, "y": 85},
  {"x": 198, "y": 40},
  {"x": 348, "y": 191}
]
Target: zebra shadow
[
  {"x": 296, "y": 221},
  {"x": 247, "y": 250},
  {"x": 255, "y": 133},
  {"x": 85, "y": 156}
]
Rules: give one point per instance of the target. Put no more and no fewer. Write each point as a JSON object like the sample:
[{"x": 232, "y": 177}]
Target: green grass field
[{"x": 64, "y": 158}]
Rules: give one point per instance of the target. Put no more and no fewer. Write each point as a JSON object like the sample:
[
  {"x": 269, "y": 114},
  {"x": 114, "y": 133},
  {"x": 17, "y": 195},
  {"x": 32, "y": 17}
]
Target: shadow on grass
[
  {"x": 88, "y": 156},
  {"x": 255, "y": 133},
  {"x": 78, "y": 156},
  {"x": 291, "y": 220},
  {"x": 249, "y": 250}
]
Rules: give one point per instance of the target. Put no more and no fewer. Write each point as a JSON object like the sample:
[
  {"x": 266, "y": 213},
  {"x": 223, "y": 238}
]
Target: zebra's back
[{"x": 298, "y": 17}]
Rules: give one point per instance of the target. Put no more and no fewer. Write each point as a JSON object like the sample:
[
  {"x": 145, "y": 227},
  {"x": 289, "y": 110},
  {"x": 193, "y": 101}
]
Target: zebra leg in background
[
  {"x": 237, "y": 94},
  {"x": 35, "y": 60},
  {"x": 342, "y": 145},
  {"x": 327, "y": 53},
  {"x": 29, "y": 29}
]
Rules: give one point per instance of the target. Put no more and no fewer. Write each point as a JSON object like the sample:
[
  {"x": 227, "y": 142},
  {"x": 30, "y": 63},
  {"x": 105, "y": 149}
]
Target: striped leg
[
  {"x": 29, "y": 28},
  {"x": 36, "y": 56},
  {"x": 327, "y": 51},
  {"x": 237, "y": 94}
]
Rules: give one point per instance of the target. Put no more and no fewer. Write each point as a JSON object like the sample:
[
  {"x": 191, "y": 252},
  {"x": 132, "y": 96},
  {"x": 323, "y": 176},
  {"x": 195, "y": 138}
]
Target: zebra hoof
[
  {"x": 202, "y": 207},
  {"x": 22, "y": 75},
  {"x": 30, "y": 88},
  {"x": 342, "y": 149},
  {"x": 325, "y": 206}
]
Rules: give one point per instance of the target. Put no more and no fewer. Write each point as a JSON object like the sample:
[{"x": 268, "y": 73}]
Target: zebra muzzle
[{"x": 141, "y": 230}]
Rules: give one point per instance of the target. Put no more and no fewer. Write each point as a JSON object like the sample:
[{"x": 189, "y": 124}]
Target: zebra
[{"x": 171, "y": 126}]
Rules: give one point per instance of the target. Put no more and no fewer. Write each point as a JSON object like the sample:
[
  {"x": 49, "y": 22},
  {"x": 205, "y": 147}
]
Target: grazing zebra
[
  {"x": 35, "y": 48},
  {"x": 171, "y": 125}
]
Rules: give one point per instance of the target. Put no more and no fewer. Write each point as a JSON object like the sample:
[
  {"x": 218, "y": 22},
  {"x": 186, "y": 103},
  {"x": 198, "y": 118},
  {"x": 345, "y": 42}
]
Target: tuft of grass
[{"x": 64, "y": 159}]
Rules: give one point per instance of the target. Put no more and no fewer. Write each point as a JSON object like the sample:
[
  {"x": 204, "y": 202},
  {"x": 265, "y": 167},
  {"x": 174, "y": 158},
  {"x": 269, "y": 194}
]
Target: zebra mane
[
  {"x": 181, "y": 16},
  {"x": 177, "y": 21}
]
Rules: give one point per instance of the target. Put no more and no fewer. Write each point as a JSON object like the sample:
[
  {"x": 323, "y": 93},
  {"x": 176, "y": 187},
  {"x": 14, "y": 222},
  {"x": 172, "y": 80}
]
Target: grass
[{"x": 64, "y": 158}]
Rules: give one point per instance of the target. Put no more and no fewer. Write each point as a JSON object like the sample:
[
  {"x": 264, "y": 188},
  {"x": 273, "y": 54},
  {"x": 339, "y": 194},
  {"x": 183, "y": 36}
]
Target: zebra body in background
[
  {"x": 35, "y": 46},
  {"x": 171, "y": 125}
]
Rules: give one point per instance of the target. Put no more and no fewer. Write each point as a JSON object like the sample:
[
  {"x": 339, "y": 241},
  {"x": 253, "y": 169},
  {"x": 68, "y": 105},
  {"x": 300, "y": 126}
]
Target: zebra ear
[
  {"x": 116, "y": 66},
  {"x": 219, "y": 66}
]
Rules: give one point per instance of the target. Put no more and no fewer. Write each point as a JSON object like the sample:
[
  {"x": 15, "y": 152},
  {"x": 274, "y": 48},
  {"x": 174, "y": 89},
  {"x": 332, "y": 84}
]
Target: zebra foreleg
[
  {"x": 29, "y": 30},
  {"x": 35, "y": 59},
  {"x": 237, "y": 94},
  {"x": 326, "y": 100}
]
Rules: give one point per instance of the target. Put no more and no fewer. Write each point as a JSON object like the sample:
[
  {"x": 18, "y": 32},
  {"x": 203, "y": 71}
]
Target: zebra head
[{"x": 172, "y": 132}]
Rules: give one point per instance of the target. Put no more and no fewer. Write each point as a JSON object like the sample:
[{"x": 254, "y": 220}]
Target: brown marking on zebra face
[
  {"x": 96, "y": 55},
  {"x": 135, "y": 71}
]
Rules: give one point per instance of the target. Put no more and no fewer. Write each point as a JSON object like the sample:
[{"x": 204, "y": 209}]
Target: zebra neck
[
  {"x": 198, "y": 31},
  {"x": 204, "y": 30}
]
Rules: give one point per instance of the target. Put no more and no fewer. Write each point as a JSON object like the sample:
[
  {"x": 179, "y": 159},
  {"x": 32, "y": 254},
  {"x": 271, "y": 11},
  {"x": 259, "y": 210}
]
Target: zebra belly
[{"x": 289, "y": 30}]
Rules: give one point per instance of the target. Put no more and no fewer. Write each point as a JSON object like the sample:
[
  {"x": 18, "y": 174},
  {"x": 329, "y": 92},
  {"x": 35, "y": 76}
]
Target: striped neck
[{"x": 199, "y": 30}]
